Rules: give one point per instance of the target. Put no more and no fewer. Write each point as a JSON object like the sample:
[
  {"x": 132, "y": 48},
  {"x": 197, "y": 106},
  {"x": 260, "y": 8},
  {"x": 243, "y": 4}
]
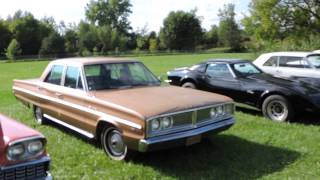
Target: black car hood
[{"x": 304, "y": 85}]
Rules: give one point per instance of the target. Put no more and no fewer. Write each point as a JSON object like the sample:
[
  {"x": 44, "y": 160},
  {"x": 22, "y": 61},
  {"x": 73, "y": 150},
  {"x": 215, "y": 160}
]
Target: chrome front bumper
[
  {"x": 183, "y": 138},
  {"x": 36, "y": 169}
]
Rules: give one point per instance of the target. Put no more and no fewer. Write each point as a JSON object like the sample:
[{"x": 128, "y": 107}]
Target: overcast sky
[{"x": 150, "y": 12}]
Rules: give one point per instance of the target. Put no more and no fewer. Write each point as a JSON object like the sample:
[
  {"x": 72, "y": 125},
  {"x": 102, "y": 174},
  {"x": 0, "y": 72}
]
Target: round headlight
[
  {"x": 166, "y": 122},
  {"x": 213, "y": 112},
  {"x": 16, "y": 151},
  {"x": 220, "y": 110},
  {"x": 35, "y": 147},
  {"x": 155, "y": 124}
]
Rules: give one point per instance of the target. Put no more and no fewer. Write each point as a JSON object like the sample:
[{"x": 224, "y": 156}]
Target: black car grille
[{"x": 36, "y": 171}]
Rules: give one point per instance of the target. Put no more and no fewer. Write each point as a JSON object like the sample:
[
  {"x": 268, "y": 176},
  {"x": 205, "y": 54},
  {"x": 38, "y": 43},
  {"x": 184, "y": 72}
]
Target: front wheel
[
  {"x": 113, "y": 144},
  {"x": 189, "y": 85},
  {"x": 277, "y": 108},
  {"x": 38, "y": 115}
]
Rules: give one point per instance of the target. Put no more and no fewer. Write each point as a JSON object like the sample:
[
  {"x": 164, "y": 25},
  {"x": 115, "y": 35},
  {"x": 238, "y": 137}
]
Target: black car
[{"x": 279, "y": 99}]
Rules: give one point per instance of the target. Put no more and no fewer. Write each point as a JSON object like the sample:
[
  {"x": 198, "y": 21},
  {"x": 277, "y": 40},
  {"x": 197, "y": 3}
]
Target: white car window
[
  {"x": 293, "y": 62},
  {"x": 314, "y": 60}
]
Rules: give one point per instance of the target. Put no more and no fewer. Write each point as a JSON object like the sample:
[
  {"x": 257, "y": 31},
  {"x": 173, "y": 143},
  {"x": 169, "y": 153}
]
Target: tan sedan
[{"x": 123, "y": 105}]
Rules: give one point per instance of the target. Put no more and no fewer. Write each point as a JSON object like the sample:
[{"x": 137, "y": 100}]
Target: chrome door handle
[{"x": 40, "y": 88}]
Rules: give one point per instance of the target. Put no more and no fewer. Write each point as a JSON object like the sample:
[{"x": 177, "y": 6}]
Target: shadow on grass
[
  {"x": 306, "y": 118},
  {"x": 221, "y": 157}
]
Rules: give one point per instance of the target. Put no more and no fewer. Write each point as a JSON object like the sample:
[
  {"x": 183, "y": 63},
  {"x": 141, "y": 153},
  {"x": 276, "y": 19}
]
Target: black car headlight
[{"x": 25, "y": 148}]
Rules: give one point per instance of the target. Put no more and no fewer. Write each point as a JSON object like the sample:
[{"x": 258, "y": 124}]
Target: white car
[{"x": 288, "y": 64}]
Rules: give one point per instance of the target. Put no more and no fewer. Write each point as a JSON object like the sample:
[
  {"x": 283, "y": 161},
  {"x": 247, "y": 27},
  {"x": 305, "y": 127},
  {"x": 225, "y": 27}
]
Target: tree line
[{"x": 270, "y": 25}]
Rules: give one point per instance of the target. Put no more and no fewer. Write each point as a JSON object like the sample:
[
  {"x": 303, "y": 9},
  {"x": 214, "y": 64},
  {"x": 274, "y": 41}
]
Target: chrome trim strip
[
  {"x": 85, "y": 133},
  {"x": 81, "y": 108},
  {"x": 189, "y": 110}
]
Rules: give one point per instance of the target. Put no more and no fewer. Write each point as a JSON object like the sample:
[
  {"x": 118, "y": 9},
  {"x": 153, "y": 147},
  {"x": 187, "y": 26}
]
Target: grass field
[{"x": 254, "y": 148}]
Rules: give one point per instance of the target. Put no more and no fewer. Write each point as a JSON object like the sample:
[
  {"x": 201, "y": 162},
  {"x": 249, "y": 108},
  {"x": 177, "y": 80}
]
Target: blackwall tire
[{"x": 277, "y": 108}]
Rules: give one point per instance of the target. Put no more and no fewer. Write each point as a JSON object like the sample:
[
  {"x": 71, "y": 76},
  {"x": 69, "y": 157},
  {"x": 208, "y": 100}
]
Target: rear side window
[
  {"x": 219, "y": 71},
  {"x": 272, "y": 61},
  {"x": 293, "y": 62},
  {"x": 73, "y": 78},
  {"x": 54, "y": 76}
]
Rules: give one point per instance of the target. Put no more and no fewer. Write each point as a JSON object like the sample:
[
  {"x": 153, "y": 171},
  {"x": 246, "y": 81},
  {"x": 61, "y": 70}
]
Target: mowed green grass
[{"x": 254, "y": 148}]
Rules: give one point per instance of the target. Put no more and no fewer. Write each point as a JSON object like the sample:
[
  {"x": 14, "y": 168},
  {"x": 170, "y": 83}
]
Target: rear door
[{"x": 220, "y": 79}]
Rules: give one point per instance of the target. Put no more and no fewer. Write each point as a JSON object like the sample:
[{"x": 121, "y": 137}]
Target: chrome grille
[{"x": 25, "y": 172}]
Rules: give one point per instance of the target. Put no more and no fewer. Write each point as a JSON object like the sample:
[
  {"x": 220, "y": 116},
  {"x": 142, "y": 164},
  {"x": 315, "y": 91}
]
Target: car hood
[
  {"x": 304, "y": 85},
  {"x": 12, "y": 130},
  {"x": 153, "y": 101}
]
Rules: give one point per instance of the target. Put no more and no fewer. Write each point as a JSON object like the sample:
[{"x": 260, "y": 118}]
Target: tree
[
  {"x": 71, "y": 41},
  {"x": 229, "y": 32},
  {"x": 272, "y": 20},
  {"x": 26, "y": 30},
  {"x": 13, "y": 50},
  {"x": 113, "y": 13},
  {"x": 5, "y": 37},
  {"x": 211, "y": 38},
  {"x": 52, "y": 45},
  {"x": 181, "y": 31},
  {"x": 153, "y": 45}
]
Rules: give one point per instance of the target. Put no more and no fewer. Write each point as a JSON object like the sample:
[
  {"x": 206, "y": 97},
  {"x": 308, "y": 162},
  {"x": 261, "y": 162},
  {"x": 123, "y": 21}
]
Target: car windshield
[
  {"x": 314, "y": 60},
  {"x": 118, "y": 76},
  {"x": 245, "y": 69}
]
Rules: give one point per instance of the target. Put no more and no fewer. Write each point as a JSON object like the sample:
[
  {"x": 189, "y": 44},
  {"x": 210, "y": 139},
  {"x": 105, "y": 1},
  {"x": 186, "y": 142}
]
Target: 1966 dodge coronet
[
  {"x": 122, "y": 104},
  {"x": 22, "y": 152}
]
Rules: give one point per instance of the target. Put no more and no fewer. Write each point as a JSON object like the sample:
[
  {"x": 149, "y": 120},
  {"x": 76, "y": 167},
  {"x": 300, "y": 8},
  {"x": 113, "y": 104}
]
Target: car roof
[
  {"x": 227, "y": 61},
  {"x": 291, "y": 53},
  {"x": 92, "y": 60}
]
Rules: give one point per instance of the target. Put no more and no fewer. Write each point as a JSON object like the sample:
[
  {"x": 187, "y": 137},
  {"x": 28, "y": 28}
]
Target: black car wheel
[
  {"x": 189, "y": 85},
  {"x": 38, "y": 115},
  {"x": 113, "y": 143},
  {"x": 277, "y": 108}
]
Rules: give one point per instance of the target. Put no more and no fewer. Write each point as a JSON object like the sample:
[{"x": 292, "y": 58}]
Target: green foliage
[
  {"x": 229, "y": 32},
  {"x": 13, "y": 50},
  {"x": 289, "y": 25},
  {"x": 71, "y": 41},
  {"x": 5, "y": 36},
  {"x": 28, "y": 31},
  {"x": 181, "y": 31},
  {"x": 153, "y": 45},
  {"x": 113, "y": 13},
  {"x": 52, "y": 45},
  {"x": 211, "y": 38}
]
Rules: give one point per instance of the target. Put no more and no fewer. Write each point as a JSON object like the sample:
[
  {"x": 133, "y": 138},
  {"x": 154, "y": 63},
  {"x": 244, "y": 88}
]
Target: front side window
[
  {"x": 73, "y": 78},
  {"x": 272, "y": 61},
  {"x": 293, "y": 62},
  {"x": 55, "y": 75},
  {"x": 118, "y": 75},
  {"x": 219, "y": 71}
]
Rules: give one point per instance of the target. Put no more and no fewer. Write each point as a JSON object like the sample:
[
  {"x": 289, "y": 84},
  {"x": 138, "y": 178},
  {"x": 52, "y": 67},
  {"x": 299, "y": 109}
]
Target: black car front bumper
[
  {"x": 183, "y": 138},
  {"x": 35, "y": 169}
]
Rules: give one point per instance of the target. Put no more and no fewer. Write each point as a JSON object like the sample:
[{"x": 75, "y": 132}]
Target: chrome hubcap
[
  {"x": 277, "y": 110},
  {"x": 116, "y": 144}
]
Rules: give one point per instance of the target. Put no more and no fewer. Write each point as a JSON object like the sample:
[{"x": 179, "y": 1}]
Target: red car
[{"x": 22, "y": 152}]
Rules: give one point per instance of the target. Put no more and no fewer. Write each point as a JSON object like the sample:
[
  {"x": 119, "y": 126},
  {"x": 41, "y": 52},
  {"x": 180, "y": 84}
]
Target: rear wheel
[
  {"x": 189, "y": 85},
  {"x": 277, "y": 108},
  {"x": 38, "y": 115},
  {"x": 113, "y": 144}
]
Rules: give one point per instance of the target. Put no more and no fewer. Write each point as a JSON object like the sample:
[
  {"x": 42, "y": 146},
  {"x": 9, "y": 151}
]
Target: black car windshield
[
  {"x": 118, "y": 76},
  {"x": 314, "y": 60},
  {"x": 245, "y": 69}
]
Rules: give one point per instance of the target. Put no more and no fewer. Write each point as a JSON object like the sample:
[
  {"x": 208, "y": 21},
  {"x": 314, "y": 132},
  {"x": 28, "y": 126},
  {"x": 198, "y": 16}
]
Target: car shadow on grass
[
  {"x": 306, "y": 118},
  {"x": 221, "y": 157}
]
